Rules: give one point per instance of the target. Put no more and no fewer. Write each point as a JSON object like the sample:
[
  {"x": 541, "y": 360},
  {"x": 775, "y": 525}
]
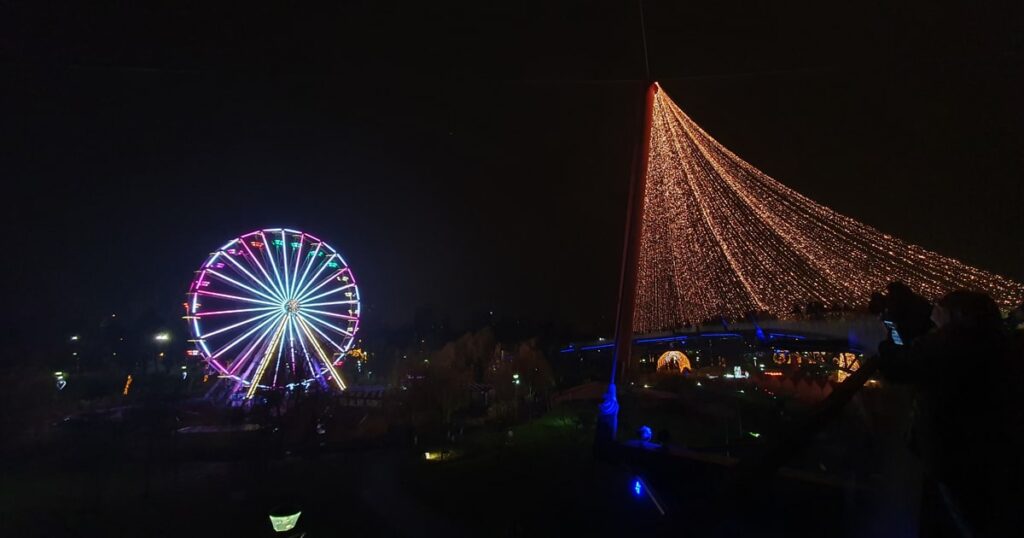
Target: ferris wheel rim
[{"x": 275, "y": 309}]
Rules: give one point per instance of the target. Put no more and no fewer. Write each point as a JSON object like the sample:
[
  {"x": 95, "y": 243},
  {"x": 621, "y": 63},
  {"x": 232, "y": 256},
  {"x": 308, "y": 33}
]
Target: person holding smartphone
[{"x": 965, "y": 424}]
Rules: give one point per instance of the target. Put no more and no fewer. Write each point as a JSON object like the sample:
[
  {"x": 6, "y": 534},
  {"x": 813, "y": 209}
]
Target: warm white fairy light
[{"x": 720, "y": 237}]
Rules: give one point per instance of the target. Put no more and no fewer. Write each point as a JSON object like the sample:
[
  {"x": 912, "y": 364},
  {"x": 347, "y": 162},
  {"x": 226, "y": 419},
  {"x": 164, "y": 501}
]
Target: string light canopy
[{"x": 720, "y": 238}]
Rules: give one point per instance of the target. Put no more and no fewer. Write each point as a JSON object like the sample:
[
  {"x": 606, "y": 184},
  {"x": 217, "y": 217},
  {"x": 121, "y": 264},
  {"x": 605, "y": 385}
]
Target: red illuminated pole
[
  {"x": 627, "y": 281},
  {"x": 631, "y": 243}
]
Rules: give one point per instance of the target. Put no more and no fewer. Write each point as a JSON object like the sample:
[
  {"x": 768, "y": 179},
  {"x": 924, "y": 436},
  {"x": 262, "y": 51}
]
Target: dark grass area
[
  {"x": 137, "y": 479},
  {"x": 543, "y": 481}
]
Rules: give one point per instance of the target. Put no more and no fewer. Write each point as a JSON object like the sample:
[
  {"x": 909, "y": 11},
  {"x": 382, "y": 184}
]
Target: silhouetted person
[
  {"x": 966, "y": 417},
  {"x": 910, "y": 311}
]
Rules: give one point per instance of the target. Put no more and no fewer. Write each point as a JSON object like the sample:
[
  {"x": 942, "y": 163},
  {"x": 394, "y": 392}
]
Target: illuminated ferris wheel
[{"x": 274, "y": 308}]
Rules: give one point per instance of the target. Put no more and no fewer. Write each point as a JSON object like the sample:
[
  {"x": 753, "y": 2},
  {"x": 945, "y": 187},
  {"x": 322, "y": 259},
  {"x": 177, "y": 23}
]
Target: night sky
[{"x": 474, "y": 158}]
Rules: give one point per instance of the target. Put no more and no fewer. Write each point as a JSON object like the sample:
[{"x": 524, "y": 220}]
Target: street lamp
[
  {"x": 515, "y": 381},
  {"x": 162, "y": 337}
]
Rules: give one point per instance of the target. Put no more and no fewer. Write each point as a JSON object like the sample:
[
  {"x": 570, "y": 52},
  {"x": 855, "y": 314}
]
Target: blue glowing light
[
  {"x": 789, "y": 336},
  {"x": 571, "y": 348},
  {"x": 638, "y": 488}
]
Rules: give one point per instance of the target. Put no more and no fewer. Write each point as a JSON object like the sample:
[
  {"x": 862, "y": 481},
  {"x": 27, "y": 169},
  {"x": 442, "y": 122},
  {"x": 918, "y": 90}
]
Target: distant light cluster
[{"x": 719, "y": 237}]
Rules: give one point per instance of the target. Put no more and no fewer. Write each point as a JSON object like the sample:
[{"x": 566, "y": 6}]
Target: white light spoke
[
  {"x": 284, "y": 264},
  {"x": 325, "y": 294},
  {"x": 298, "y": 262},
  {"x": 325, "y": 282},
  {"x": 202, "y": 314},
  {"x": 234, "y": 297},
  {"x": 273, "y": 265},
  {"x": 306, "y": 315},
  {"x": 249, "y": 349},
  {"x": 331, "y": 314},
  {"x": 280, "y": 351},
  {"x": 321, "y": 354},
  {"x": 305, "y": 352},
  {"x": 266, "y": 359},
  {"x": 312, "y": 323},
  {"x": 305, "y": 272},
  {"x": 252, "y": 277},
  {"x": 323, "y": 265},
  {"x": 239, "y": 324},
  {"x": 255, "y": 259},
  {"x": 239, "y": 339},
  {"x": 240, "y": 285},
  {"x": 351, "y": 301}
]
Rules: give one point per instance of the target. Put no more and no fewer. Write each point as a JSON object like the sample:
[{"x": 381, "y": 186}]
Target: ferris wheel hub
[{"x": 292, "y": 306}]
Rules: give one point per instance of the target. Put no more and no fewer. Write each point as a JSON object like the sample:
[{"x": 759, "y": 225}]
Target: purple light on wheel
[{"x": 259, "y": 310}]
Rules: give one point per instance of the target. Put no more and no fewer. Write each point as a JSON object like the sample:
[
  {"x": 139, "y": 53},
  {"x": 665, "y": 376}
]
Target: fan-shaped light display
[{"x": 719, "y": 237}]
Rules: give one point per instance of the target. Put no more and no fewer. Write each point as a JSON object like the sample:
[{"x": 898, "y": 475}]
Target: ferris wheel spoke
[
  {"x": 309, "y": 263},
  {"x": 313, "y": 369},
  {"x": 323, "y": 265},
  {"x": 240, "y": 285},
  {"x": 234, "y": 297},
  {"x": 298, "y": 261},
  {"x": 331, "y": 314},
  {"x": 237, "y": 311},
  {"x": 256, "y": 260},
  {"x": 266, "y": 358},
  {"x": 325, "y": 282},
  {"x": 325, "y": 294},
  {"x": 320, "y": 352},
  {"x": 252, "y": 277},
  {"x": 237, "y": 325},
  {"x": 242, "y": 337},
  {"x": 311, "y": 318},
  {"x": 312, "y": 323},
  {"x": 291, "y": 344},
  {"x": 280, "y": 351},
  {"x": 284, "y": 264},
  {"x": 249, "y": 350},
  {"x": 330, "y": 303},
  {"x": 273, "y": 265}
]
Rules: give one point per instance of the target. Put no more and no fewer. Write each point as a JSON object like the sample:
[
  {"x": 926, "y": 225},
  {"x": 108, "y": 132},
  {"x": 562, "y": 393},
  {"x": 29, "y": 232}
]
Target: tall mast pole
[{"x": 608, "y": 421}]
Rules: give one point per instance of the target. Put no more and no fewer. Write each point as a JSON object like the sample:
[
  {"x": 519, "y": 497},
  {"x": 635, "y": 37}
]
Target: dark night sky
[{"x": 475, "y": 157}]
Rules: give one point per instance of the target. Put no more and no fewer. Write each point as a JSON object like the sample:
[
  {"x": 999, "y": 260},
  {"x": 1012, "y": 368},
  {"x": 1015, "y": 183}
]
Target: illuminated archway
[{"x": 673, "y": 362}]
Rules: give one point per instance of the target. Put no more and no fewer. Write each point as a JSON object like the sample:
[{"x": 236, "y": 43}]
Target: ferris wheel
[{"x": 274, "y": 308}]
